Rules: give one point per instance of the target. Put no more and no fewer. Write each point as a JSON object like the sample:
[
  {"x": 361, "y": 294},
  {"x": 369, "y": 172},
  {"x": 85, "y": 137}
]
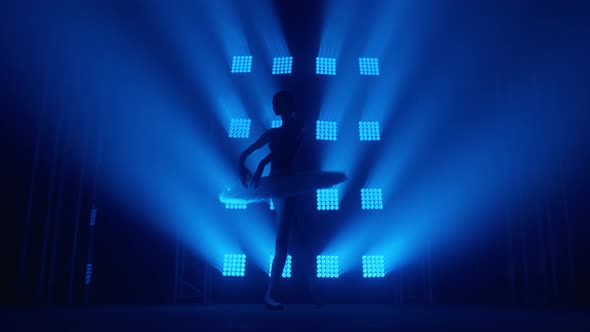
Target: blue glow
[
  {"x": 220, "y": 19},
  {"x": 339, "y": 18},
  {"x": 283, "y": 65},
  {"x": 327, "y": 199},
  {"x": 344, "y": 99},
  {"x": 264, "y": 26},
  {"x": 276, "y": 123},
  {"x": 325, "y": 66},
  {"x": 241, "y": 64},
  {"x": 327, "y": 267},
  {"x": 326, "y": 130},
  {"x": 371, "y": 199},
  {"x": 240, "y": 128},
  {"x": 286, "y": 269},
  {"x": 373, "y": 267},
  {"x": 359, "y": 233},
  {"x": 234, "y": 265},
  {"x": 369, "y": 131},
  {"x": 369, "y": 66},
  {"x": 168, "y": 162},
  {"x": 271, "y": 205}
]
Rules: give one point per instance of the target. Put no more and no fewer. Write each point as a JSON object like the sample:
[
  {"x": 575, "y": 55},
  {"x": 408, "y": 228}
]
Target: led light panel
[
  {"x": 369, "y": 131},
  {"x": 283, "y": 65},
  {"x": 369, "y": 66},
  {"x": 373, "y": 267},
  {"x": 326, "y": 131},
  {"x": 327, "y": 199},
  {"x": 235, "y": 206},
  {"x": 325, "y": 66},
  {"x": 240, "y": 128},
  {"x": 277, "y": 123},
  {"x": 241, "y": 64},
  {"x": 327, "y": 267},
  {"x": 234, "y": 265},
  {"x": 371, "y": 199}
]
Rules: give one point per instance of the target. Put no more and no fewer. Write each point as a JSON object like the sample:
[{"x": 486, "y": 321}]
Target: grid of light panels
[
  {"x": 241, "y": 64},
  {"x": 276, "y": 123},
  {"x": 325, "y": 66},
  {"x": 369, "y": 66},
  {"x": 369, "y": 131},
  {"x": 327, "y": 267},
  {"x": 327, "y": 199},
  {"x": 240, "y": 128},
  {"x": 373, "y": 267},
  {"x": 326, "y": 131},
  {"x": 371, "y": 199},
  {"x": 234, "y": 265},
  {"x": 282, "y": 65},
  {"x": 286, "y": 269}
]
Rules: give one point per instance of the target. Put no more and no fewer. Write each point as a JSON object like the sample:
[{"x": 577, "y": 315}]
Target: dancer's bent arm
[
  {"x": 244, "y": 172},
  {"x": 260, "y": 169}
]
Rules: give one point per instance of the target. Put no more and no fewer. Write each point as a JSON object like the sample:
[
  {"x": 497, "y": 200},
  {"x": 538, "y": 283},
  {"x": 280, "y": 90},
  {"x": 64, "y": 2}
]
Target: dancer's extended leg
[{"x": 286, "y": 210}]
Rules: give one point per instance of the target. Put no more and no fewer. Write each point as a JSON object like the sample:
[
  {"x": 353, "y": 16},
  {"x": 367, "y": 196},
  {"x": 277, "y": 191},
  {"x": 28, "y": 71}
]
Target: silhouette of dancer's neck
[{"x": 288, "y": 118}]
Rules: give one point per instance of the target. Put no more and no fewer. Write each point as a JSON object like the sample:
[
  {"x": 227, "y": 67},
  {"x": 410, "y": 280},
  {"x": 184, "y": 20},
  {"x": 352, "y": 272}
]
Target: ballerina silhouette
[{"x": 284, "y": 143}]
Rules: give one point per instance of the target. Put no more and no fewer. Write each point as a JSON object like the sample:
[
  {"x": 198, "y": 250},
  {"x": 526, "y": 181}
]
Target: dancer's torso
[{"x": 284, "y": 143}]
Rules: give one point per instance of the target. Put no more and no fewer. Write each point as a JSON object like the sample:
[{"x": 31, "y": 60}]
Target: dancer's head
[{"x": 283, "y": 103}]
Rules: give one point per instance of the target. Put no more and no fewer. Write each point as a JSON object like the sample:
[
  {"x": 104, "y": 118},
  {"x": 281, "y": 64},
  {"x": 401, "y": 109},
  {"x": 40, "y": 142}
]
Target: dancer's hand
[
  {"x": 245, "y": 175},
  {"x": 256, "y": 178}
]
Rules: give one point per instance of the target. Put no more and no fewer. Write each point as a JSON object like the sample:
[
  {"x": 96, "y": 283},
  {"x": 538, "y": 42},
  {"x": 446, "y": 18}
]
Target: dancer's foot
[{"x": 271, "y": 303}]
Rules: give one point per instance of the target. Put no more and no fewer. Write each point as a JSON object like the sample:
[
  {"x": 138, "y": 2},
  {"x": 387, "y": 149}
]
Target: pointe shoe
[{"x": 272, "y": 304}]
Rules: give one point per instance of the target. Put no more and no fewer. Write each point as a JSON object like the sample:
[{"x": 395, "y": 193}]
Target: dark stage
[{"x": 254, "y": 317}]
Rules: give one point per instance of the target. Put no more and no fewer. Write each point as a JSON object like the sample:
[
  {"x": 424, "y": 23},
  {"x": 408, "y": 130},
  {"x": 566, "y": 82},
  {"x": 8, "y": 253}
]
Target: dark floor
[{"x": 293, "y": 318}]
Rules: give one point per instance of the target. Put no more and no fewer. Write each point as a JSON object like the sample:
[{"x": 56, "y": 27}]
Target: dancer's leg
[
  {"x": 286, "y": 210},
  {"x": 306, "y": 260}
]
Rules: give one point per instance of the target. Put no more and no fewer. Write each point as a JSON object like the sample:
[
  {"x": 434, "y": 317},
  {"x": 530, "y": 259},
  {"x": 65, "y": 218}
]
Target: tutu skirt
[{"x": 280, "y": 186}]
